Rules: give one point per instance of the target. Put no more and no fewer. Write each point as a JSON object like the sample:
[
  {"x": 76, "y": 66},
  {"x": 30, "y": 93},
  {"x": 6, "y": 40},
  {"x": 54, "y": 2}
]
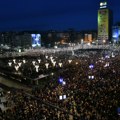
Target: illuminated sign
[{"x": 103, "y": 4}]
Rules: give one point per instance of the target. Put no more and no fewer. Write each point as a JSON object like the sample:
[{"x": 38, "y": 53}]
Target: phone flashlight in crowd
[
  {"x": 64, "y": 96},
  {"x": 60, "y": 80},
  {"x": 91, "y": 66},
  {"x": 60, "y": 97},
  {"x": 91, "y": 77},
  {"x": 64, "y": 83}
]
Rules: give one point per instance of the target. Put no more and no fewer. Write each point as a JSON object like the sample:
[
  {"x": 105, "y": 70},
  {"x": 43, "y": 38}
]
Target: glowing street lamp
[
  {"x": 14, "y": 60},
  {"x": 51, "y": 57},
  {"x": 52, "y": 60},
  {"x": 33, "y": 62},
  {"x": 60, "y": 64},
  {"x": 19, "y": 64},
  {"x": 37, "y": 67},
  {"x": 54, "y": 63},
  {"x": 46, "y": 64},
  {"x": 10, "y": 64},
  {"x": 39, "y": 60},
  {"x": 46, "y": 57},
  {"x": 16, "y": 67}
]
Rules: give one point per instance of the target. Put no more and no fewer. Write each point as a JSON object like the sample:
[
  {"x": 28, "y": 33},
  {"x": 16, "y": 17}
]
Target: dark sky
[{"x": 52, "y": 14}]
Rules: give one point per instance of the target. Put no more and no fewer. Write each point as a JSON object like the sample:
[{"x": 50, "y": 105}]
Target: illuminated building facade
[
  {"x": 116, "y": 34},
  {"x": 88, "y": 38},
  {"x": 104, "y": 24}
]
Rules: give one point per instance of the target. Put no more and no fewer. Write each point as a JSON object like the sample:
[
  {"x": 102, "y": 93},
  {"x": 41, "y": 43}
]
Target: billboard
[
  {"x": 36, "y": 40},
  {"x": 103, "y": 24}
]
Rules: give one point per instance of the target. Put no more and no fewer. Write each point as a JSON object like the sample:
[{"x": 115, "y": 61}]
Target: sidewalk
[{"x": 12, "y": 84}]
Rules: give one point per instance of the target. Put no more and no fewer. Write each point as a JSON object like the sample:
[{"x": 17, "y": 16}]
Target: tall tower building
[{"x": 104, "y": 23}]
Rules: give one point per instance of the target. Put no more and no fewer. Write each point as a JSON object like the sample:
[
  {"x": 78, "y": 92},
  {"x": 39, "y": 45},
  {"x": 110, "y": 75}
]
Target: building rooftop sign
[{"x": 103, "y": 4}]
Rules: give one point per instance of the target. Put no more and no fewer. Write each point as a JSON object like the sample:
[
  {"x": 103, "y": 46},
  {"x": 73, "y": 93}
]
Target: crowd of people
[{"x": 86, "y": 88}]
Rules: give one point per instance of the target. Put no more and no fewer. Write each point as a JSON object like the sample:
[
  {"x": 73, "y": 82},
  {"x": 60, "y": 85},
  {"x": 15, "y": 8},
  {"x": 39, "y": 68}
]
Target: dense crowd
[{"x": 87, "y": 88}]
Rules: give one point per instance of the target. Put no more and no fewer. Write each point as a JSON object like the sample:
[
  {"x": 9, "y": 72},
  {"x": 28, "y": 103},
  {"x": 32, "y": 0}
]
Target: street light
[
  {"x": 14, "y": 60},
  {"x": 16, "y": 67},
  {"x": 51, "y": 57},
  {"x": 19, "y": 64},
  {"x": 37, "y": 67},
  {"x": 46, "y": 57},
  {"x": 33, "y": 62},
  {"x": 10, "y": 64},
  {"x": 60, "y": 64},
  {"x": 54, "y": 63},
  {"x": 46, "y": 64},
  {"x": 39, "y": 60}
]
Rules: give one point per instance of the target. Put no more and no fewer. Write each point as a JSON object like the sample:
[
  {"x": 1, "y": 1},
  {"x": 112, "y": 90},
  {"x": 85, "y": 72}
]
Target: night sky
[{"x": 42, "y": 15}]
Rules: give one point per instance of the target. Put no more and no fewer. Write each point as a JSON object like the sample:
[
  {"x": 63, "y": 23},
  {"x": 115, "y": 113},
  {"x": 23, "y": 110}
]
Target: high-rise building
[{"x": 104, "y": 23}]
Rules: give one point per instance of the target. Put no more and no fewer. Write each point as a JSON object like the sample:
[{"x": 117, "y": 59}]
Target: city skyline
[{"x": 56, "y": 15}]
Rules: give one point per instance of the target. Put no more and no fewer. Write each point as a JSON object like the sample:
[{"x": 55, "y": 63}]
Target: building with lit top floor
[{"x": 105, "y": 20}]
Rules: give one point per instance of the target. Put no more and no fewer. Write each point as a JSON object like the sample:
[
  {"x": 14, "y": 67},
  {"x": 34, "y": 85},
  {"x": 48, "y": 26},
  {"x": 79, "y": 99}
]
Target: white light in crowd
[
  {"x": 33, "y": 62},
  {"x": 54, "y": 63},
  {"x": 91, "y": 77},
  {"x": 64, "y": 96},
  {"x": 60, "y": 64},
  {"x": 14, "y": 60},
  {"x": 52, "y": 73},
  {"x": 102, "y": 58},
  {"x": 76, "y": 63},
  {"x": 61, "y": 80},
  {"x": 69, "y": 61},
  {"x": 91, "y": 66},
  {"x": 52, "y": 60},
  {"x": 10, "y": 64},
  {"x": 8, "y": 92},
  {"x": 64, "y": 83},
  {"x": 107, "y": 64},
  {"x": 55, "y": 46},
  {"x": 37, "y": 67},
  {"x": 46, "y": 57},
  {"x": 60, "y": 97},
  {"x": 24, "y": 61},
  {"x": 19, "y": 64},
  {"x": 51, "y": 57},
  {"x": 39, "y": 60},
  {"x": 19, "y": 50},
  {"x": 16, "y": 67},
  {"x": 107, "y": 56},
  {"x": 113, "y": 54},
  {"x": 46, "y": 64}
]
